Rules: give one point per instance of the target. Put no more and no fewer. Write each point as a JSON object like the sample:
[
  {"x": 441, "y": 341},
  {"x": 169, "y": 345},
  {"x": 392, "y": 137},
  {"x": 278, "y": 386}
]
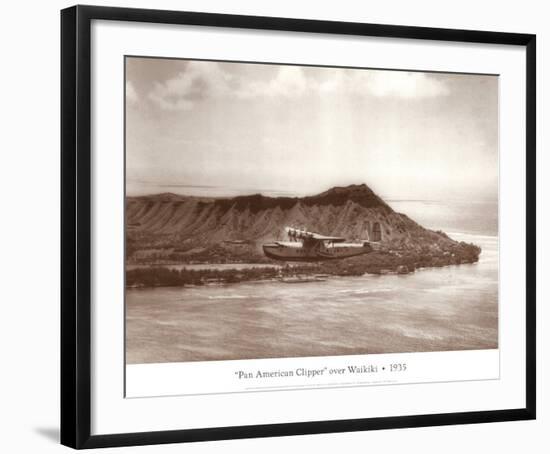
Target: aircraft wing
[
  {"x": 302, "y": 234},
  {"x": 334, "y": 239}
]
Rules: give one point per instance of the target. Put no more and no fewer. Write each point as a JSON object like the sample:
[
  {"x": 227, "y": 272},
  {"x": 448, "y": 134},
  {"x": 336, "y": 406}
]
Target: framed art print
[{"x": 284, "y": 226}]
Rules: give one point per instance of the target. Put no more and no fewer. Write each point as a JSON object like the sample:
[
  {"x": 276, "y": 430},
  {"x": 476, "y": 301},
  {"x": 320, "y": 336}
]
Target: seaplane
[{"x": 307, "y": 246}]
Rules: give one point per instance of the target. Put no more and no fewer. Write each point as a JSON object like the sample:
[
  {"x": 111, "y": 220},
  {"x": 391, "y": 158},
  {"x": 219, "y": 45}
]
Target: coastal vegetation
[
  {"x": 379, "y": 262},
  {"x": 156, "y": 276}
]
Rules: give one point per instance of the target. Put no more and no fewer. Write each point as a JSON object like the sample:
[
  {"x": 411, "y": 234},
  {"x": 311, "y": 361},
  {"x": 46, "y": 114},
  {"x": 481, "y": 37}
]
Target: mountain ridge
[
  {"x": 174, "y": 228},
  {"x": 337, "y": 195}
]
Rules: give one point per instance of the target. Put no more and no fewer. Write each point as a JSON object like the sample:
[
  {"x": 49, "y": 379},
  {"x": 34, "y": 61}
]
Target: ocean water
[
  {"x": 436, "y": 309},
  {"x": 464, "y": 216}
]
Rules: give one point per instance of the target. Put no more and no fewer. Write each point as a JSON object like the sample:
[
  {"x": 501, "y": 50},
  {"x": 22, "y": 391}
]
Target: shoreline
[
  {"x": 258, "y": 281},
  {"x": 385, "y": 262},
  {"x": 155, "y": 276}
]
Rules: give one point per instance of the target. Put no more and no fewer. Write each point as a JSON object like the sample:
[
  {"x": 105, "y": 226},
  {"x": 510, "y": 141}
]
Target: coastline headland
[{"x": 169, "y": 229}]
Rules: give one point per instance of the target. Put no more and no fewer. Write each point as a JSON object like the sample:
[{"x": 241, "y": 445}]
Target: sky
[{"x": 223, "y": 129}]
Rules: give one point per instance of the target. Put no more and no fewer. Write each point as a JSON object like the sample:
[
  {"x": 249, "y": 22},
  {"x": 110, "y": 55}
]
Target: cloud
[
  {"x": 289, "y": 81},
  {"x": 203, "y": 80},
  {"x": 198, "y": 81},
  {"x": 131, "y": 94},
  {"x": 405, "y": 84}
]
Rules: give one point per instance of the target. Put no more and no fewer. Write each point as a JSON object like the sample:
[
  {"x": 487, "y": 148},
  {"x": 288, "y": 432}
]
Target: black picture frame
[{"x": 76, "y": 225}]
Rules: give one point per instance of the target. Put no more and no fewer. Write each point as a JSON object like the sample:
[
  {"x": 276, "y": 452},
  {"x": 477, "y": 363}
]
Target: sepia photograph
[{"x": 287, "y": 211}]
